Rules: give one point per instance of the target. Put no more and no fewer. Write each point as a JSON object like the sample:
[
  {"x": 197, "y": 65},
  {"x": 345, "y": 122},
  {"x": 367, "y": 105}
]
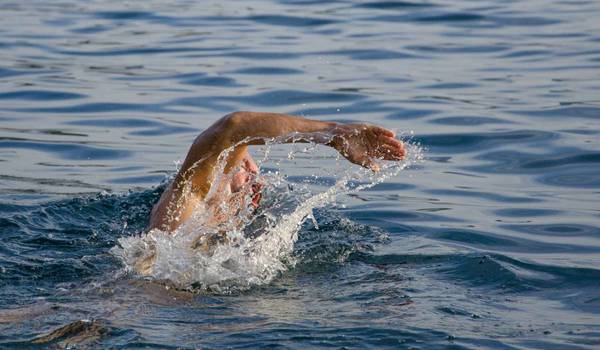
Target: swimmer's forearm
[{"x": 258, "y": 126}]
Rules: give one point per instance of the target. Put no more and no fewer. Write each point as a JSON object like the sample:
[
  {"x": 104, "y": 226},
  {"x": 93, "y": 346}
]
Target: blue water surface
[{"x": 492, "y": 243}]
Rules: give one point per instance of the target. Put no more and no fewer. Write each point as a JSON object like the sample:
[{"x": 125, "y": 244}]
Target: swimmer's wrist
[{"x": 336, "y": 136}]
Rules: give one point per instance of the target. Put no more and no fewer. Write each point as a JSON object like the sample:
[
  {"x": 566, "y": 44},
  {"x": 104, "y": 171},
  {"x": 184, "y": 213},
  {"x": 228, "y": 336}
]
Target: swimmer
[
  {"x": 241, "y": 189},
  {"x": 359, "y": 143}
]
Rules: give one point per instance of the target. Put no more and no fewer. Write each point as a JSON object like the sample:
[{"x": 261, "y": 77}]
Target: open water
[{"x": 493, "y": 242}]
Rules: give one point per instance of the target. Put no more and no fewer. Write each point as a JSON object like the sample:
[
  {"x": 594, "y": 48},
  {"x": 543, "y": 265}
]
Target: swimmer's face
[{"x": 246, "y": 180}]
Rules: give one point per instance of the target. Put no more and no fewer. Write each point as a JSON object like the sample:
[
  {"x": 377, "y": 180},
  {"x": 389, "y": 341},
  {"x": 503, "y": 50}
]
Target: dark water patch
[
  {"x": 458, "y": 49},
  {"x": 371, "y": 54},
  {"x": 469, "y": 142},
  {"x": 545, "y": 68},
  {"x": 42, "y": 181},
  {"x": 291, "y": 21},
  {"x": 293, "y": 97},
  {"x": 212, "y": 81},
  {"x": 7, "y": 72},
  {"x": 125, "y": 168},
  {"x": 217, "y": 104},
  {"x": 122, "y": 70},
  {"x": 7, "y": 208},
  {"x": 148, "y": 180},
  {"x": 466, "y": 121},
  {"x": 270, "y": 98},
  {"x": 489, "y": 241},
  {"x": 524, "y": 21},
  {"x": 94, "y": 29},
  {"x": 136, "y": 51},
  {"x": 442, "y": 99},
  {"x": 291, "y": 335},
  {"x": 452, "y": 17},
  {"x": 54, "y": 132},
  {"x": 563, "y": 35},
  {"x": 39, "y": 95},
  {"x": 526, "y": 53},
  {"x": 393, "y": 5},
  {"x": 491, "y": 271},
  {"x": 329, "y": 31},
  {"x": 402, "y": 113},
  {"x": 459, "y": 20},
  {"x": 450, "y": 86},
  {"x": 572, "y": 177},
  {"x": 326, "y": 248},
  {"x": 164, "y": 130},
  {"x": 263, "y": 55},
  {"x": 526, "y": 212},
  {"x": 124, "y": 15},
  {"x": 116, "y": 122},
  {"x": 483, "y": 195},
  {"x": 268, "y": 71},
  {"x": 453, "y": 311},
  {"x": 401, "y": 259},
  {"x": 548, "y": 161},
  {"x": 170, "y": 76},
  {"x": 567, "y": 164},
  {"x": 484, "y": 272},
  {"x": 393, "y": 220},
  {"x": 29, "y": 44},
  {"x": 556, "y": 230},
  {"x": 65, "y": 150},
  {"x": 66, "y": 241},
  {"x": 307, "y": 2},
  {"x": 587, "y": 112},
  {"x": 362, "y": 106},
  {"x": 478, "y": 239},
  {"x": 101, "y": 107},
  {"x": 552, "y": 276}
]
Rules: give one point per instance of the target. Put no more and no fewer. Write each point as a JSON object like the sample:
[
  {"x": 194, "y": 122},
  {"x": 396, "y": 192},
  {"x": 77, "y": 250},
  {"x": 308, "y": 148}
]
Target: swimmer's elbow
[
  {"x": 235, "y": 120},
  {"x": 237, "y": 125}
]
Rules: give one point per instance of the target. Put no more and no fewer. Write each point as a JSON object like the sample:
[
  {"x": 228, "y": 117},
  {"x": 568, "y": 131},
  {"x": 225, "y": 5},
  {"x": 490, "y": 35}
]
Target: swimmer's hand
[{"x": 361, "y": 143}]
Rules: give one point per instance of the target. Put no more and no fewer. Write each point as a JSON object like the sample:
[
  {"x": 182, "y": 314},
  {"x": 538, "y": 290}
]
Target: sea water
[
  {"x": 256, "y": 246},
  {"x": 491, "y": 243}
]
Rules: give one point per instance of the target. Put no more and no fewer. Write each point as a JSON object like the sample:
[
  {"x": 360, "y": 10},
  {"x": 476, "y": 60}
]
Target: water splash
[{"x": 253, "y": 246}]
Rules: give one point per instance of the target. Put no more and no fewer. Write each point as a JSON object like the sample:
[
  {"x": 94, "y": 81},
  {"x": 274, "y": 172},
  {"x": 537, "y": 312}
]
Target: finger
[
  {"x": 394, "y": 145},
  {"x": 391, "y": 153},
  {"x": 395, "y": 142},
  {"x": 383, "y": 131}
]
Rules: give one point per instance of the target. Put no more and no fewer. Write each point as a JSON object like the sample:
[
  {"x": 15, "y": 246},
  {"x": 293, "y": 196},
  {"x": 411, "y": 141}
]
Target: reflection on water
[{"x": 493, "y": 242}]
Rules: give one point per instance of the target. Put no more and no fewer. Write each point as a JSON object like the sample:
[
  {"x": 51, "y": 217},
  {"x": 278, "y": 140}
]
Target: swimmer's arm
[{"x": 359, "y": 143}]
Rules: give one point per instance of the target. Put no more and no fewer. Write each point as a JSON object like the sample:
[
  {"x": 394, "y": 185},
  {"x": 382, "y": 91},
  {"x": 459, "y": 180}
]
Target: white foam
[{"x": 258, "y": 247}]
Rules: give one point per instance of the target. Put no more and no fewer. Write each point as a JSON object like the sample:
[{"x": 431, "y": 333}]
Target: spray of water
[{"x": 252, "y": 246}]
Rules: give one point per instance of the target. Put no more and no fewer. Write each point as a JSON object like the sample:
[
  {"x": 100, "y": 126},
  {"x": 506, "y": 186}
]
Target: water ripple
[
  {"x": 40, "y": 95},
  {"x": 394, "y": 5},
  {"x": 70, "y": 151},
  {"x": 481, "y": 246}
]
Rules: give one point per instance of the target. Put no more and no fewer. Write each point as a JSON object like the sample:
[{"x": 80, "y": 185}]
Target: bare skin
[{"x": 359, "y": 143}]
